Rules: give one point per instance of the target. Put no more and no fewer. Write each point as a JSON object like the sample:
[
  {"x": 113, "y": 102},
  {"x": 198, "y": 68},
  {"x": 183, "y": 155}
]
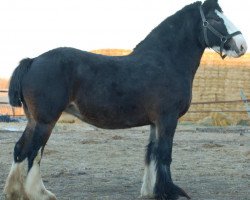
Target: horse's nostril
[{"x": 242, "y": 48}]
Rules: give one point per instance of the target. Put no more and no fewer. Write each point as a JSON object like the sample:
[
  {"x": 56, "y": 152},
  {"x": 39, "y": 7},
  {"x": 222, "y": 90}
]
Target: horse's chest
[
  {"x": 185, "y": 98},
  {"x": 176, "y": 95}
]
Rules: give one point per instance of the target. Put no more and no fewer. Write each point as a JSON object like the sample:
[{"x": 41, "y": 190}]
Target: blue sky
[{"x": 31, "y": 27}]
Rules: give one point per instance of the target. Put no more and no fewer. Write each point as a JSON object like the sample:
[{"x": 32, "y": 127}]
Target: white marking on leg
[
  {"x": 34, "y": 186},
  {"x": 14, "y": 186},
  {"x": 149, "y": 179}
]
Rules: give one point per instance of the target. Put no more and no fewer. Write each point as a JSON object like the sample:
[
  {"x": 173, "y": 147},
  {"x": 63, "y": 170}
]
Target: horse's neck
[{"x": 176, "y": 39}]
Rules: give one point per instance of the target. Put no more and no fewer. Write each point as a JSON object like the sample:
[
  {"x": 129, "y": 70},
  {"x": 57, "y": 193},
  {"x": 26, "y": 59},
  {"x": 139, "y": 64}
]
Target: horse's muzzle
[{"x": 239, "y": 45}]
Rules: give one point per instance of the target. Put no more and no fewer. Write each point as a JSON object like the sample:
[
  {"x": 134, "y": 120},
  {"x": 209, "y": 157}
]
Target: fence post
[
  {"x": 13, "y": 111},
  {"x": 244, "y": 99}
]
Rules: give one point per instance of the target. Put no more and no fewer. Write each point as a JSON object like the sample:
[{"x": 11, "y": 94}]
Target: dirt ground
[{"x": 82, "y": 162}]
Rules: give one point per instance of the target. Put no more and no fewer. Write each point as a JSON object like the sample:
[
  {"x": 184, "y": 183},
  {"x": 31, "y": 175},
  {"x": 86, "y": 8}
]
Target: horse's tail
[{"x": 15, "y": 87}]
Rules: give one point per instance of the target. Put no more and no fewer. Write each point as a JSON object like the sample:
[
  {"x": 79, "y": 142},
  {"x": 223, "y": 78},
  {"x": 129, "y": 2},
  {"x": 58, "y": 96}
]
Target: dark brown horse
[{"x": 151, "y": 86}]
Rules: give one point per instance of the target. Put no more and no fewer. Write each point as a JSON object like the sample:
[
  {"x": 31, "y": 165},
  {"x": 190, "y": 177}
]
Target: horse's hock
[{"x": 215, "y": 80}]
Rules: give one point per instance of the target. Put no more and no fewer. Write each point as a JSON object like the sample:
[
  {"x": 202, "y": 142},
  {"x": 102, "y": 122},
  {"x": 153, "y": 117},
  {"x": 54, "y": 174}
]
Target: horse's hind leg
[
  {"x": 14, "y": 186},
  {"x": 27, "y": 184},
  {"x": 34, "y": 186}
]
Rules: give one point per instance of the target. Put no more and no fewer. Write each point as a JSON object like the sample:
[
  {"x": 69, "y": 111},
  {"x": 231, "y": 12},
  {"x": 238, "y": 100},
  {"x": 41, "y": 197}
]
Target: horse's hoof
[
  {"x": 52, "y": 198},
  {"x": 42, "y": 195},
  {"x": 6, "y": 197},
  {"x": 173, "y": 192},
  {"x": 15, "y": 196},
  {"x": 48, "y": 195}
]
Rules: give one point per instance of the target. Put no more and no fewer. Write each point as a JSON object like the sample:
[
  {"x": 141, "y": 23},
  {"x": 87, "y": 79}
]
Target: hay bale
[
  {"x": 216, "y": 119},
  {"x": 67, "y": 118},
  {"x": 243, "y": 122},
  {"x": 207, "y": 121}
]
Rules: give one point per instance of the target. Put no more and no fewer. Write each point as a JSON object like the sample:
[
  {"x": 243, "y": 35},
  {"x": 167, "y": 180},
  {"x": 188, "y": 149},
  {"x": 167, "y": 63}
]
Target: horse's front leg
[{"x": 157, "y": 180}]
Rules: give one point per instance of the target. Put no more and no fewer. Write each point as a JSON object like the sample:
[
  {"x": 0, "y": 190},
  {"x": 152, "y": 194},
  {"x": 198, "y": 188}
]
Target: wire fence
[
  {"x": 15, "y": 112},
  {"x": 4, "y": 91},
  {"x": 220, "y": 102},
  {"x": 6, "y": 108}
]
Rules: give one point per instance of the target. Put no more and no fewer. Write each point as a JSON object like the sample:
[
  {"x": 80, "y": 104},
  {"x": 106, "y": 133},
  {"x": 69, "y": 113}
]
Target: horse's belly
[
  {"x": 113, "y": 117},
  {"x": 115, "y": 124}
]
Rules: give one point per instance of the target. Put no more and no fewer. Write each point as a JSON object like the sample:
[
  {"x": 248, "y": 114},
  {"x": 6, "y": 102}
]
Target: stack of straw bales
[
  {"x": 220, "y": 80},
  {"x": 112, "y": 52}
]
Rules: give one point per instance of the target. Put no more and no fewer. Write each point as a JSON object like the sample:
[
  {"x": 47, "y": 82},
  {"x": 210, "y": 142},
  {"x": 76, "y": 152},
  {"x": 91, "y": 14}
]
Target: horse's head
[{"x": 219, "y": 32}]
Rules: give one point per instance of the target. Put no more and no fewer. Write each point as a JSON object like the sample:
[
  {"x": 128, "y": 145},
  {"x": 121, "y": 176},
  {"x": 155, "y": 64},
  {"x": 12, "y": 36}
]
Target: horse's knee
[
  {"x": 163, "y": 155},
  {"x": 34, "y": 145},
  {"x": 23, "y": 144},
  {"x": 20, "y": 152},
  {"x": 29, "y": 151}
]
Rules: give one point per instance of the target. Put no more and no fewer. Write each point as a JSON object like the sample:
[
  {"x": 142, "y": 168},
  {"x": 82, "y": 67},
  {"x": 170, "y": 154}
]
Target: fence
[
  {"x": 19, "y": 112},
  {"x": 220, "y": 102},
  {"x": 6, "y": 108}
]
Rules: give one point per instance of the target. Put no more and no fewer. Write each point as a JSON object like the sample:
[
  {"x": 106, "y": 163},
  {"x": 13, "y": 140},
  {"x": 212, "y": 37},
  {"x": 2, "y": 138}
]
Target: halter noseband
[{"x": 224, "y": 39}]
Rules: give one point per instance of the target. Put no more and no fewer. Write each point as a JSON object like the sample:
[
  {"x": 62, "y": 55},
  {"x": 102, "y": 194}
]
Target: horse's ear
[{"x": 210, "y": 5}]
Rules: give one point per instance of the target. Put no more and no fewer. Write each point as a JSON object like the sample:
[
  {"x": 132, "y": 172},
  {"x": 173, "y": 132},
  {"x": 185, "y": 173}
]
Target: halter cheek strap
[{"x": 224, "y": 39}]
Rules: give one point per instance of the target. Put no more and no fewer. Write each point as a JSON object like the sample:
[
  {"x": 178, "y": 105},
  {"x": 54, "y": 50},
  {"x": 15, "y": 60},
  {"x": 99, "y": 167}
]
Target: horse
[{"x": 151, "y": 86}]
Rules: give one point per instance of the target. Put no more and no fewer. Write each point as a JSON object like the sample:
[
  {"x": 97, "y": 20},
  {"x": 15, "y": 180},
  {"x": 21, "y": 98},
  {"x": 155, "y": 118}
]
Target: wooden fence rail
[
  {"x": 190, "y": 111},
  {"x": 218, "y": 102},
  {"x": 5, "y": 103}
]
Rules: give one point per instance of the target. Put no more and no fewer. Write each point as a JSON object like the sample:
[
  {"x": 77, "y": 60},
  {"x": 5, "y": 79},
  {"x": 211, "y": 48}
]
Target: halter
[{"x": 223, "y": 39}]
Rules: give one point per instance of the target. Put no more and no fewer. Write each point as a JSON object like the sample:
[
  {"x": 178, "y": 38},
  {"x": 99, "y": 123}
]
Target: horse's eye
[{"x": 218, "y": 19}]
